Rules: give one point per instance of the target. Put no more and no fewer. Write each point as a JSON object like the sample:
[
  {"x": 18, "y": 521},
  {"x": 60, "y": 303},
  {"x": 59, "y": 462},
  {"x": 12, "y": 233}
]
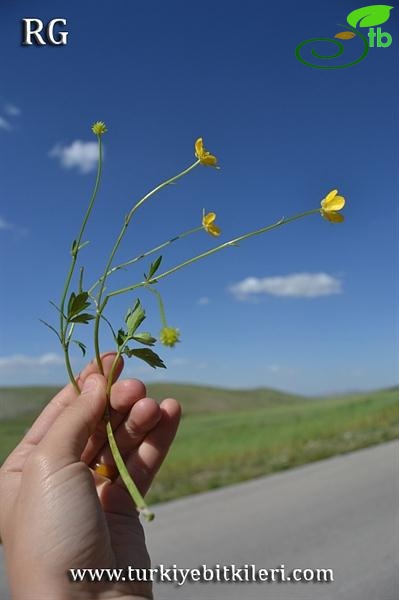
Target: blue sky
[{"x": 161, "y": 74}]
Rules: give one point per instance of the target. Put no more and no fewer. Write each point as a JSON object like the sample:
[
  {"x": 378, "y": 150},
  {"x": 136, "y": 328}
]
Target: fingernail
[{"x": 90, "y": 384}]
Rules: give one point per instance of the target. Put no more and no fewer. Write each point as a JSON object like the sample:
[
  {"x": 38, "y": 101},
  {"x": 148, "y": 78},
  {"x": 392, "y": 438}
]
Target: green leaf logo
[{"x": 368, "y": 16}]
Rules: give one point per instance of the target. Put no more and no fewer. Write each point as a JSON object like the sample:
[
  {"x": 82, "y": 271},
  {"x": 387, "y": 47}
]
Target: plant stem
[
  {"x": 75, "y": 252},
  {"x": 125, "y": 476},
  {"x": 232, "y": 242},
  {"x": 145, "y": 254},
  {"x": 160, "y": 304},
  {"x": 69, "y": 368},
  {"x": 122, "y": 469},
  {"x": 116, "y": 246}
]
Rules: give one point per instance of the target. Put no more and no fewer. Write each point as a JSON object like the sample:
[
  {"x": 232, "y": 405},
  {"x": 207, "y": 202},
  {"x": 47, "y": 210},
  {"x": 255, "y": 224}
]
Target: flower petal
[
  {"x": 199, "y": 148},
  {"x": 209, "y": 159},
  {"x": 335, "y": 203},
  {"x": 208, "y": 219},
  {"x": 330, "y": 195},
  {"x": 214, "y": 230},
  {"x": 333, "y": 217}
]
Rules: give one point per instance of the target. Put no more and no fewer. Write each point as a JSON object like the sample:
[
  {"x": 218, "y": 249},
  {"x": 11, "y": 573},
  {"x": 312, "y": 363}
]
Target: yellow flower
[
  {"x": 330, "y": 205},
  {"x": 205, "y": 157},
  {"x": 99, "y": 128},
  {"x": 208, "y": 223},
  {"x": 169, "y": 336}
]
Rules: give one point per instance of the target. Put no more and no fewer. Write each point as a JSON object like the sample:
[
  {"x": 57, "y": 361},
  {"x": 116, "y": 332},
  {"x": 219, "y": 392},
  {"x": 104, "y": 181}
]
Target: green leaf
[
  {"x": 121, "y": 337},
  {"x": 57, "y": 308},
  {"x": 83, "y": 244},
  {"x": 70, "y": 302},
  {"x": 147, "y": 355},
  {"x": 81, "y": 346},
  {"x": 368, "y": 16},
  {"x": 77, "y": 303},
  {"x": 82, "y": 318},
  {"x": 144, "y": 338},
  {"x": 109, "y": 325},
  {"x": 134, "y": 318},
  {"x": 153, "y": 268},
  {"x": 75, "y": 248},
  {"x": 51, "y": 327}
]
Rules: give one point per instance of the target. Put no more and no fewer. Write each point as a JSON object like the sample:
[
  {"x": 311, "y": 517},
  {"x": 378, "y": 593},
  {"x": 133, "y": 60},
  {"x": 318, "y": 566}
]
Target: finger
[
  {"x": 144, "y": 463},
  {"x": 55, "y": 407},
  {"x": 124, "y": 395},
  {"x": 68, "y": 395},
  {"x": 143, "y": 417},
  {"x": 65, "y": 441}
]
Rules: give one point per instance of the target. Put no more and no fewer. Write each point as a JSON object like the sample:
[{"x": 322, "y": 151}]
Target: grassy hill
[
  {"x": 195, "y": 399},
  {"x": 233, "y": 435}
]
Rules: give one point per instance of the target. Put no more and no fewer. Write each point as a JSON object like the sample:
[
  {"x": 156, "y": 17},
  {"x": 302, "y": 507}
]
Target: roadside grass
[
  {"x": 212, "y": 451},
  {"x": 228, "y": 436}
]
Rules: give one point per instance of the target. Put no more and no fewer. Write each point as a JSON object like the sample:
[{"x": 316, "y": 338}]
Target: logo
[
  {"x": 369, "y": 17},
  {"x": 32, "y": 33}
]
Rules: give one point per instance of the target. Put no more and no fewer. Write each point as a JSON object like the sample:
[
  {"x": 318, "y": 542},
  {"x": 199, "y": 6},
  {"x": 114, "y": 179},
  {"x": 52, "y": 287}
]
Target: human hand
[{"x": 57, "y": 514}]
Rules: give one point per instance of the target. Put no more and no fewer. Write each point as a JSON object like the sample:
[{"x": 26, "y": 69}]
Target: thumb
[{"x": 66, "y": 439}]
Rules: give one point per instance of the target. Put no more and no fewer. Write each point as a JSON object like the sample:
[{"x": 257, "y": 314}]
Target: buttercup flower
[
  {"x": 330, "y": 205},
  {"x": 205, "y": 157},
  {"x": 169, "y": 336},
  {"x": 99, "y": 128},
  {"x": 208, "y": 223}
]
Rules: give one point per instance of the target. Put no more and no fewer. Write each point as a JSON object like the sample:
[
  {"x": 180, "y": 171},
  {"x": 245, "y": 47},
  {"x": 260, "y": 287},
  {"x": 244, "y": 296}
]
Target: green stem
[
  {"x": 122, "y": 469},
  {"x": 160, "y": 304},
  {"x": 145, "y": 254},
  {"x": 124, "y": 473},
  {"x": 116, "y": 246},
  {"x": 69, "y": 369},
  {"x": 232, "y": 242},
  {"x": 75, "y": 251}
]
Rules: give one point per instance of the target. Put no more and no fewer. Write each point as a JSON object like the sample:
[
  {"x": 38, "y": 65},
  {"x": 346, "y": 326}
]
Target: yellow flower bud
[
  {"x": 99, "y": 128},
  {"x": 169, "y": 336}
]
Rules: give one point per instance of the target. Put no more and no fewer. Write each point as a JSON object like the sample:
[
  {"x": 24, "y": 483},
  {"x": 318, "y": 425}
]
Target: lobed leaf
[
  {"x": 144, "y": 338},
  {"x": 147, "y": 355},
  {"x": 77, "y": 303},
  {"x": 82, "y": 318},
  {"x": 134, "y": 318}
]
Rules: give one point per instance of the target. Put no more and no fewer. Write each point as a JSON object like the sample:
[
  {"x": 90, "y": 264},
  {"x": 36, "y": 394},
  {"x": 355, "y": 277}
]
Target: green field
[{"x": 233, "y": 435}]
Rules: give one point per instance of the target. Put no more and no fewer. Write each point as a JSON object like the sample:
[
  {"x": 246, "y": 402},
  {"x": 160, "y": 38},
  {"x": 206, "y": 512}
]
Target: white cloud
[
  {"x": 12, "y": 110},
  {"x": 203, "y": 301},
  {"x": 4, "y": 124},
  {"x": 82, "y": 155},
  {"x": 18, "y": 361},
  {"x": 296, "y": 285},
  {"x": 5, "y": 224}
]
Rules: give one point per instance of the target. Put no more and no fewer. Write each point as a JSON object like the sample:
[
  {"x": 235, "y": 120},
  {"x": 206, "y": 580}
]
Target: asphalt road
[{"x": 340, "y": 514}]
